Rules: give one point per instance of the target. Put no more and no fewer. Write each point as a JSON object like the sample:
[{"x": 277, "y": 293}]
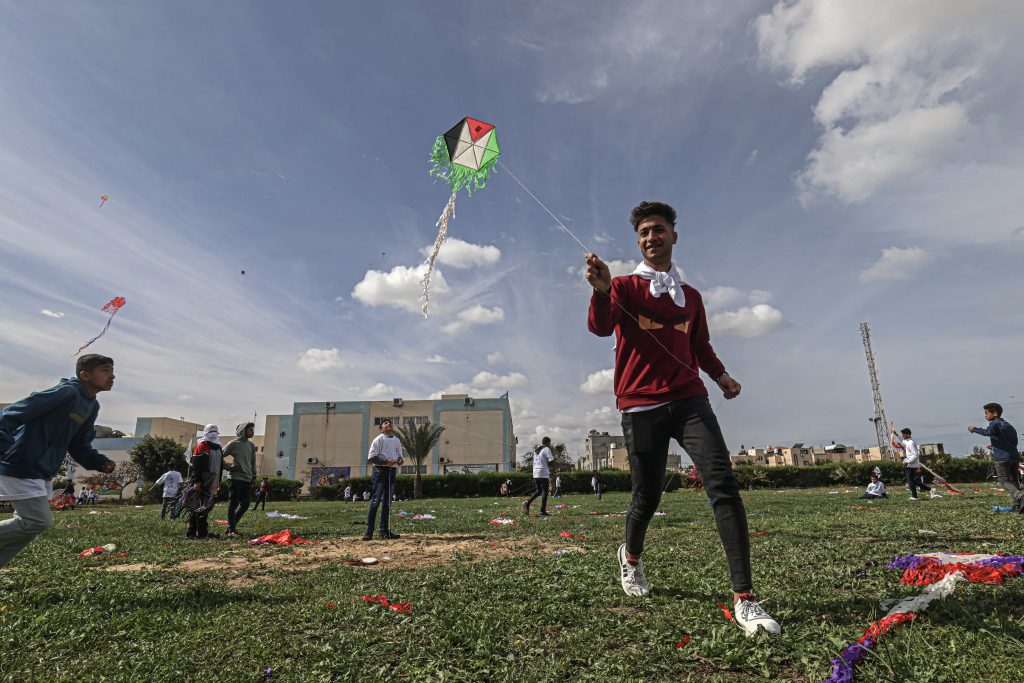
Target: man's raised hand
[{"x": 598, "y": 275}]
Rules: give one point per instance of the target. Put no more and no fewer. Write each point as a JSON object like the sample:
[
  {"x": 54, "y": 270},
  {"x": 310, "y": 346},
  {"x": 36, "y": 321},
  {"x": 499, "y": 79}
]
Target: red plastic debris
[
  {"x": 331, "y": 605},
  {"x": 280, "y": 538},
  {"x": 383, "y": 601},
  {"x": 727, "y": 612},
  {"x": 759, "y": 533},
  {"x": 684, "y": 641}
]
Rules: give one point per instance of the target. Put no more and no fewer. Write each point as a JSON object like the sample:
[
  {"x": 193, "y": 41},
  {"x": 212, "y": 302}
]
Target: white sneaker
[
  {"x": 750, "y": 616},
  {"x": 633, "y": 580},
  {"x": 932, "y": 494}
]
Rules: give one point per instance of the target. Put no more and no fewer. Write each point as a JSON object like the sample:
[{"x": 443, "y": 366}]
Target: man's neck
[{"x": 663, "y": 267}]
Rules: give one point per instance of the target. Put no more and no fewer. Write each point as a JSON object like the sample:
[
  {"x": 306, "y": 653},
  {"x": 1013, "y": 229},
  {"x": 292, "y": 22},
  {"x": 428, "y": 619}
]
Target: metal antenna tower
[{"x": 881, "y": 424}]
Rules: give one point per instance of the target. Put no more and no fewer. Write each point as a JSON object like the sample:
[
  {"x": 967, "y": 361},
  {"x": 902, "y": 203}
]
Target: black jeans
[
  {"x": 692, "y": 423},
  {"x": 542, "y": 491},
  {"x": 913, "y": 482},
  {"x": 198, "y": 524},
  {"x": 238, "y": 502},
  {"x": 168, "y": 503},
  {"x": 872, "y": 496},
  {"x": 261, "y": 498},
  {"x": 382, "y": 485},
  {"x": 1009, "y": 478}
]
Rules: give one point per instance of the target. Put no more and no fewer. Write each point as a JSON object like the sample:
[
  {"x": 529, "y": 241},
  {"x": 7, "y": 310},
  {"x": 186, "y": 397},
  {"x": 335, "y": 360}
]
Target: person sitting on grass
[
  {"x": 662, "y": 340},
  {"x": 876, "y": 489},
  {"x": 1004, "y": 452},
  {"x": 35, "y": 435}
]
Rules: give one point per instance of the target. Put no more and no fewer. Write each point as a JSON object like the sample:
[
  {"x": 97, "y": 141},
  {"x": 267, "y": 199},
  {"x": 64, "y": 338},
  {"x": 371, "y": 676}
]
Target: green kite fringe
[{"x": 457, "y": 177}]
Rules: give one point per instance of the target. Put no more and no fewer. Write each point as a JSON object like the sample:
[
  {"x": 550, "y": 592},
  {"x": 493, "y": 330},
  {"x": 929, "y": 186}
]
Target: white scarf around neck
[{"x": 662, "y": 282}]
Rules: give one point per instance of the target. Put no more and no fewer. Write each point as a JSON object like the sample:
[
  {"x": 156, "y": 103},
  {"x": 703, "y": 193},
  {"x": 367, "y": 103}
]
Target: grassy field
[{"x": 494, "y": 603}]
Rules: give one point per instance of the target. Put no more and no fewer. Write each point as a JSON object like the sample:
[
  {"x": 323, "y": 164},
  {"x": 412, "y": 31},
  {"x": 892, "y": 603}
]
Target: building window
[{"x": 411, "y": 469}]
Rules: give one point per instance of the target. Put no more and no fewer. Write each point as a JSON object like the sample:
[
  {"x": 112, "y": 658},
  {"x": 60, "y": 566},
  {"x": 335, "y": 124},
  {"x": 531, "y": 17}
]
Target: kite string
[{"x": 613, "y": 300}]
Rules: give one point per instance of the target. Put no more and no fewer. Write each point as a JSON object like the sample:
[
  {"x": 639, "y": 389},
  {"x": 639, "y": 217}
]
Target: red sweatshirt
[{"x": 645, "y": 373}]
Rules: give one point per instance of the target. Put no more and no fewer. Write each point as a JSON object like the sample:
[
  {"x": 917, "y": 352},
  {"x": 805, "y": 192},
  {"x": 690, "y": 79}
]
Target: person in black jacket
[{"x": 207, "y": 460}]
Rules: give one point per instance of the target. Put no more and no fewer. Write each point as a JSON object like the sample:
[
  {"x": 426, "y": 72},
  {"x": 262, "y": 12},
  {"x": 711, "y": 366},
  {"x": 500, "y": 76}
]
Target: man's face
[
  {"x": 386, "y": 428},
  {"x": 905, "y": 435},
  {"x": 989, "y": 415},
  {"x": 249, "y": 431},
  {"x": 99, "y": 378},
  {"x": 655, "y": 237}
]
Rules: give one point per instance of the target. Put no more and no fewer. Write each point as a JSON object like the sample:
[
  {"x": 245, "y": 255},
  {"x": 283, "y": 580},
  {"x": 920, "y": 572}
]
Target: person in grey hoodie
[
  {"x": 35, "y": 435},
  {"x": 241, "y": 471}
]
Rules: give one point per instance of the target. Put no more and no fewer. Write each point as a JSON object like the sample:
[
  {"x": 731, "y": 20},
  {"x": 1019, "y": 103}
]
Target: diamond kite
[
  {"x": 111, "y": 307},
  {"x": 103, "y": 199},
  {"x": 463, "y": 158}
]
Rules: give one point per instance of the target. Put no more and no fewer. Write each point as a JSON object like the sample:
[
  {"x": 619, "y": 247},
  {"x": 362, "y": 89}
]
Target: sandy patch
[{"x": 247, "y": 566}]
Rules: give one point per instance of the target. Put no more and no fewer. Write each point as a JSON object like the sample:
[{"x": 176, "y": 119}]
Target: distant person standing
[
  {"x": 542, "y": 457},
  {"x": 171, "y": 480},
  {"x": 207, "y": 462},
  {"x": 558, "y": 486},
  {"x": 348, "y": 493},
  {"x": 36, "y": 433},
  {"x": 386, "y": 457},
  {"x": 262, "y": 494},
  {"x": 598, "y": 485},
  {"x": 1004, "y": 452},
  {"x": 912, "y": 464},
  {"x": 241, "y": 471},
  {"x": 508, "y": 488}
]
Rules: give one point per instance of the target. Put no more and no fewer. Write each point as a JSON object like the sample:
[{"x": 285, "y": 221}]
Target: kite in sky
[
  {"x": 463, "y": 158},
  {"x": 111, "y": 307},
  {"x": 103, "y": 199}
]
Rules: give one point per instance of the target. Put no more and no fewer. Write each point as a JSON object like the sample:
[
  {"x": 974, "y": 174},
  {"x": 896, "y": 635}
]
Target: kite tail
[
  {"x": 105, "y": 328},
  {"x": 442, "y": 232}
]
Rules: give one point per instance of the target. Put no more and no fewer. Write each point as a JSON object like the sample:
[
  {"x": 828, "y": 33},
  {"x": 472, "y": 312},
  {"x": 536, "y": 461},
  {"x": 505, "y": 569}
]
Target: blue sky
[{"x": 830, "y": 165}]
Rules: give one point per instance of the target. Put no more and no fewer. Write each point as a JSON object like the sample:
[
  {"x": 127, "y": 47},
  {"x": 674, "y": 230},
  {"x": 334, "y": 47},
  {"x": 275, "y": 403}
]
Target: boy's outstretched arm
[{"x": 83, "y": 453}]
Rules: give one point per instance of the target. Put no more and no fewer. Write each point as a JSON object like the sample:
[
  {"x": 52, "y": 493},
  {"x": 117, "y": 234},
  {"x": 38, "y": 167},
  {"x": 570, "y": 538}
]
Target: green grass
[{"x": 522, "y": 618}]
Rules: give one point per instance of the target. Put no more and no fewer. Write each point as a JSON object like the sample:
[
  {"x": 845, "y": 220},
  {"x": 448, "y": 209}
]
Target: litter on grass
[
  {"x": 502, "y": 521},
  {"x": 383, "y": 601},
  {"x": 98, "y": 550},
  {"x": 427, "y": 516},
  {"x": 280, "y": 538},
  {"x": 283, "y": 515},
  {"x": 1002, "y": 508}
]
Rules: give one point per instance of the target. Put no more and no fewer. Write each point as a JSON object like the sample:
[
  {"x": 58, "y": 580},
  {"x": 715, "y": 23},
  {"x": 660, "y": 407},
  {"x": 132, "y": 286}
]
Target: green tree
[
  {"x": 561, "y": 463},
  {"x": 417, "y": 442},
  {"x": 154, "y": 454}
]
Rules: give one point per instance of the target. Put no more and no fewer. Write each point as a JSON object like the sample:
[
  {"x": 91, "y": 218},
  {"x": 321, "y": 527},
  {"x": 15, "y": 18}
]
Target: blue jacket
[
  {"x": 37, "y": 432},
  {"x": 1004, "y": 439}
]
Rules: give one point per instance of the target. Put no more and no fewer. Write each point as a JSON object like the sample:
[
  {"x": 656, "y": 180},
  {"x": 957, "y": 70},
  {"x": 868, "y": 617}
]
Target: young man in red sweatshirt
[{"x": 662, "y": 340}]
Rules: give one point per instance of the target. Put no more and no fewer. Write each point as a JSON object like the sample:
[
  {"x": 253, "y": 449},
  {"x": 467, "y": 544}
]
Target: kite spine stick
[{"x": 442, "y": 232}]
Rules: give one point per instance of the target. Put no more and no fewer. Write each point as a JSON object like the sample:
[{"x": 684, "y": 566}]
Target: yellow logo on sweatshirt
[{"x": 80, "y": 419}]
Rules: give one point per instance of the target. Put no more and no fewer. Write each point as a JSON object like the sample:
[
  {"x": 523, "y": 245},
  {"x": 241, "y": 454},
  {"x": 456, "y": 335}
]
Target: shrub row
[
  {"x": 484, "y": 484},
  {"x": 854, "y": 473}
]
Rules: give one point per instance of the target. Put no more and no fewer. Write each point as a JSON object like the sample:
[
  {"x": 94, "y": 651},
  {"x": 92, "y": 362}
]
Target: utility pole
[{"x": 881, "y": 424}]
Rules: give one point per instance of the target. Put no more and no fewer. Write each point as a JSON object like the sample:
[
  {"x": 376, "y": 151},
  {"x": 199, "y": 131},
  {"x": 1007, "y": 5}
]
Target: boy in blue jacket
[
  {"x": 1004, "y": 451},
  {"x": 35, "y": 435}
]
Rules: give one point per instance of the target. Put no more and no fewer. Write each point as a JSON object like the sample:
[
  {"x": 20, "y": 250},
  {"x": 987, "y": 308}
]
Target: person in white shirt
[
  {"x": 171, "y": 479},
  {"x": 912, "y": 464},
  {"x": 348, "y": 493},
  {"x": 386, "y": 457},
  {"x": 558, "y": 487},
  {"x": 541, "y": 476},
  {"x": 876, "y": 489}
]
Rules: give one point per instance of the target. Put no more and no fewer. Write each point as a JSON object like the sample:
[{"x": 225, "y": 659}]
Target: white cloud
[
  {"x": 474, "y": 315},
  {"x": 438, "y": 359},
  {"x": 900, "y": 101},
  {"x": 378, "y": 390},
  {"x": 582, "y": 90},
  {"x": 460, "y": 254},
  {"x": 486, "y": 383},
  {"x": 748, "y": 321},
  {"x": 319, "y": 360},
  {"x": 722, "y": 297},
  {"x": 897, "y": 263},
  {"x": 51, "y": 314},
  {"x": 400, "y": 287},
  {"x": 495, "y": 357},
  {"x": 599, "y": 382}
]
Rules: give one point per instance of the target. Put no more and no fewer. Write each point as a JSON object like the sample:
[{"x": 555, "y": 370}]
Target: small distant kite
[
  {"x": 243, "y": 272},
  {"x": 463, "y": 158},
  {"x": 103, "y": 199},
  {"x": 111, "y": 307}
]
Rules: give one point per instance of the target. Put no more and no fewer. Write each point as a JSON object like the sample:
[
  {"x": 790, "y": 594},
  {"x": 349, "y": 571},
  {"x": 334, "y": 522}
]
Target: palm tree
[{"x": 417, "y": 442}]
